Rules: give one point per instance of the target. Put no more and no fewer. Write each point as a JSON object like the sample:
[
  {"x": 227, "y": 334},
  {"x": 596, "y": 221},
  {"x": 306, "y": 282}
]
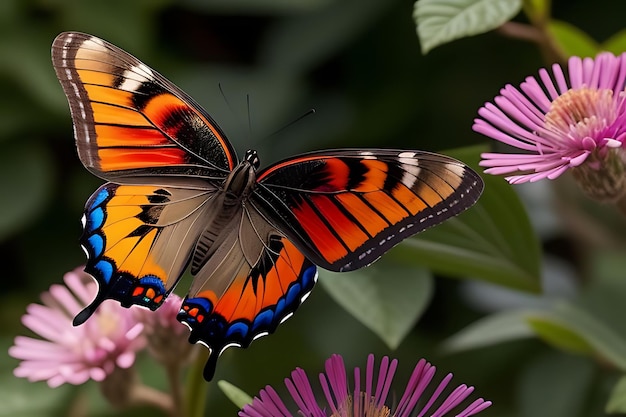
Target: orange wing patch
[{"x": 254, "y": 304}]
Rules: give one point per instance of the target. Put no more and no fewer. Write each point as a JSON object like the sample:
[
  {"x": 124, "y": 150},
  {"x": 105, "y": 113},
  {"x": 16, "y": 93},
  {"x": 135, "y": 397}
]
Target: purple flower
[
  {"x": 68, "y": 354},
  {"x": 369, "y": 399},
  {"x": 561, "y": 122}
]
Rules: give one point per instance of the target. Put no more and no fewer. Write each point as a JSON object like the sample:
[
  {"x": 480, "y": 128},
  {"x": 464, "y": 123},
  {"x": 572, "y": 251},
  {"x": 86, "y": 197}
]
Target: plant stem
[
  {"x": 173, "y": 376},
  {"x": 196, "y": 389}
]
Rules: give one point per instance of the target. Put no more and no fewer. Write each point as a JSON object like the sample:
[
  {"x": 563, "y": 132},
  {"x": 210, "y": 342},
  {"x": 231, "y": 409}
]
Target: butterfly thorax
[
  {"x": 239, "y": 184},
  {"x": 226, "y": 209}
]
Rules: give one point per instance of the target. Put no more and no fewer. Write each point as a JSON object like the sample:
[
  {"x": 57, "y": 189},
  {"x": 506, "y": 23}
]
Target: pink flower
[
  {"x": 367, "y": 400},
  {"x": 68, "y": 354},
  {"x": 166, "y": 336},
  {"x": 561, "y": 122}
]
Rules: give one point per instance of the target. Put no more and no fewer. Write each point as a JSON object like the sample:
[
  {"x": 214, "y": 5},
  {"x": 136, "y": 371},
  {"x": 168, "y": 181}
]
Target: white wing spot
[
  {"x": 367, "y": 155},
  {"x": 456, "y": 168}
]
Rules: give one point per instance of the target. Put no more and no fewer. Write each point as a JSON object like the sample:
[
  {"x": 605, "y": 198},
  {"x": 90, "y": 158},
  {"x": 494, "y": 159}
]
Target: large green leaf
[
  {"x": 493, "y": 329},
  {"x": 387, "y": 297},
  {"x": 617, "y": 401},
  {"x": 593, "y": 323},
  {"x": 571, "y": 40},
  {"x": 441, "y": 21},
  {"x": 493, "y": 241},
  {"x": 616, "y": 43},
  {"x": 571, "y": 328}
]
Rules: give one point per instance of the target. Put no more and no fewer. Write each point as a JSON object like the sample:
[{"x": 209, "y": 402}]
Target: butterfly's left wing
[
  {"x": 139, "y": 238},
  {"x": 130, "y": 122},
  {"x": 345, "y": 208},
  {"x": 253, "y": 281}
]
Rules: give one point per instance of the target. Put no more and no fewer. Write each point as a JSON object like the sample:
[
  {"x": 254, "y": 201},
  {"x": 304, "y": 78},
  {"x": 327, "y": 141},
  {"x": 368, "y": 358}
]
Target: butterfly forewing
[
  {"x": 128, "y": 118},
  {"x": 345, "y": 208}
]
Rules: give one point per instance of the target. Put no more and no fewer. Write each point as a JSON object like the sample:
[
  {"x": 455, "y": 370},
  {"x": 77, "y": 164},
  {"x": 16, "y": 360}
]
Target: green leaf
[
  {"x": 573, "y": 329},
  {"x": 387, "y": 297},
  {"x": 493, "y": 241},
  {"x": 554, "y": 385},
  {"x": 493, "y": 329},
  {"x": 616, "y": 43},
  {"x": 25, "y": 185},
  {"x": 235, "y": 394},
  {"x": 559, "y": 334},
  {"x": 538, "y": 11},
  {"x": 441, "y": 21},
  {"x": 617, "y": 400},
  {"x": 571, "y": 40}
]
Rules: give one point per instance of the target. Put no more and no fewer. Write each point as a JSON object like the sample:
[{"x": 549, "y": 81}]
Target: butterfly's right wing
[
  {"x": 139, "y": 238},
  {"x": 344, "y": 208}
]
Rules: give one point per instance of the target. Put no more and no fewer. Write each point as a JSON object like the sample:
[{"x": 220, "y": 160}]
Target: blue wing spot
[
  {"x": 153, "y": 281},
  {"x": 99, "y": 198},
  {"x": 264, "y": 319},
  {"x": 308, "y": 277},
  {"x": 200, "y": 302},
  {"x": 293, "y": 294},
  {"x": 238, "y": 328},
  {"x": 106, "y": 270},
  {"x": 97, "y": 245},
  {"x": 280, "y": 306},
  {"x": 95, "y": 219}
]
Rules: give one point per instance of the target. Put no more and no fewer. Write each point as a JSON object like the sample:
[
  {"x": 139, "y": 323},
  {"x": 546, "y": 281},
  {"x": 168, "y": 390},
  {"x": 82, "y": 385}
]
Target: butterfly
[{"x": 177, "y": 197}]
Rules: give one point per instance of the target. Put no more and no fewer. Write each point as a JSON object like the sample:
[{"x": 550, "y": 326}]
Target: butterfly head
[{"x": 253, "y": 158}]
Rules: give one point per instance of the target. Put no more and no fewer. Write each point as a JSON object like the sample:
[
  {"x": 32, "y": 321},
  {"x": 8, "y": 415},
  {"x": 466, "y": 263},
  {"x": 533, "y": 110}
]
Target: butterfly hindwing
[
  {"x": 129, "y": 120},
  {"x": 345, "y": 208},
  {"x": 138, "y": 240},
  {"x": 253, "y": 282}
]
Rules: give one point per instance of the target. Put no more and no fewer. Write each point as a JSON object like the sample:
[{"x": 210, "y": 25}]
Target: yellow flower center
[
  {"x": 366, "y": 408},
  {"x": 581, "y": 112},
  {"x": 108, "y": 322}
]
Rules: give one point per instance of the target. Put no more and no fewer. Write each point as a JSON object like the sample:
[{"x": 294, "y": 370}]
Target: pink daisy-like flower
[
  {"x": 368, "y": 400},
  {"x": 68, "y": 354},
  {"x": 166, "y": 336},
  {"x": 562, "y": 122}
]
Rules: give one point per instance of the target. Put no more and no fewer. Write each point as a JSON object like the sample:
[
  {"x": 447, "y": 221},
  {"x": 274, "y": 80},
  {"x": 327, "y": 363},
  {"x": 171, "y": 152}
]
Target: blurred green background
[{"x": 356, "y": 62}]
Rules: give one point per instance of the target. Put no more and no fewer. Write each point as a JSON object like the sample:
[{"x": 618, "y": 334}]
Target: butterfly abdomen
[{"x": 225, "y": 213}]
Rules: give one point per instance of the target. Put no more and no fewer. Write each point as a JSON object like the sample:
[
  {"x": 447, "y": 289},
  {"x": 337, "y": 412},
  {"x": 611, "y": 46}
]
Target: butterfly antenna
[
  {"x": 293, "y": 122},
  {"x": 230, "y": 107},
  {"x": 249, "y": 116}
]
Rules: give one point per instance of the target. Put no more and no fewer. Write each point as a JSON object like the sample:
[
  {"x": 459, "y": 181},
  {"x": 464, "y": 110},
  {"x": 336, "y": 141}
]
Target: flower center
[
  {"x": 365, "y": 408},
  {"x": 108, "y": 323},
  {"x": 581, "y": 113}
]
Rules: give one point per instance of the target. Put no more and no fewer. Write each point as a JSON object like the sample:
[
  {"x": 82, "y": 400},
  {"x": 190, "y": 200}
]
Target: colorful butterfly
[{"x": 177, "y": 197}]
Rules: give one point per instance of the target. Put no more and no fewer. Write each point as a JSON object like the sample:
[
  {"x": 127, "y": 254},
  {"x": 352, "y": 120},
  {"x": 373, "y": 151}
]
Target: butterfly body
[{"x": 178, "y": 198}]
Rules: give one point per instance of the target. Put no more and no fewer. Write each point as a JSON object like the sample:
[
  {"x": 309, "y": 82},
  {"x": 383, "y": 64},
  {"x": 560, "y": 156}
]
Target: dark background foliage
[{"x": 357, "y": 62}]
